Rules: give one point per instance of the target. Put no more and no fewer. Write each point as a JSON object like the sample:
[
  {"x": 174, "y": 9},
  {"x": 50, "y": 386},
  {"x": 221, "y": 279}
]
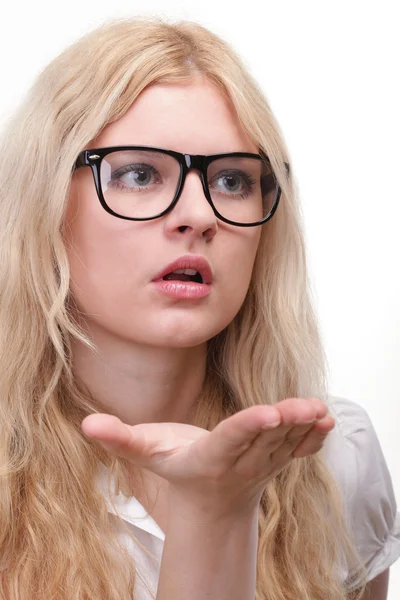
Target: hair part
[{"x": 57, "y": 538}]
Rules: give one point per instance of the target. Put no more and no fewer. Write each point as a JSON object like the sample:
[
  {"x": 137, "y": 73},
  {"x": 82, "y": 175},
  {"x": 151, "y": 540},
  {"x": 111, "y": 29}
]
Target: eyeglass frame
[{"x": 94, "y": 156}]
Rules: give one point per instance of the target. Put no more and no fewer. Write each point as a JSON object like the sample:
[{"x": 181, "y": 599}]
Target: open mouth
[
  {"x": 184, "y": 275},
  {"x": 190, "y": 268}
]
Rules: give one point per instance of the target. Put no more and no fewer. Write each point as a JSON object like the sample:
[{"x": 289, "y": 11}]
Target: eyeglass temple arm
[
  {"x": 80, "y": 161},
  {"x": 287, "y": 165}
]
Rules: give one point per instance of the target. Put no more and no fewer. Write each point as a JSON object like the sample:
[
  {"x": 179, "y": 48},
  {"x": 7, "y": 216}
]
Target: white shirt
[{"x": 354, "y": 455}]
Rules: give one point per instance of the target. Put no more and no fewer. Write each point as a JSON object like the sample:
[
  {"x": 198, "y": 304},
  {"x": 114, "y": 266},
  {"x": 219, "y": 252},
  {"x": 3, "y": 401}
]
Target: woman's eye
[
  {"x": 233, "y": 182},
  {"x": 136, "y": 176}
]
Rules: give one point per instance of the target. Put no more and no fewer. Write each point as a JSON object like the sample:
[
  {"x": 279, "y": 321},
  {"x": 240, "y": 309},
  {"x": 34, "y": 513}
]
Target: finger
[
  {"x": 299, "y": 432},
  {"x": 300, "y": 410},
  {"x": 272, "y": 449},
  {"x": 255, "y": 461},
  {"x": 322, "y": 408},
  {"x": 315, "y": 438},
  {"x": 114, "y": 435},
  {"x": 234, "y": 435}
]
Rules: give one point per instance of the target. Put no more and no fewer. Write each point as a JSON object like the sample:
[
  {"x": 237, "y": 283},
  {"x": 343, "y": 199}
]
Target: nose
[{"x": 192, "y": 216}]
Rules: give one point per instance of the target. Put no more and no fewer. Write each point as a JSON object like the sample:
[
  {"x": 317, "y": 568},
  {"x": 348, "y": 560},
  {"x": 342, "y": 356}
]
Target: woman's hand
[{"x": 225, "y": 469}]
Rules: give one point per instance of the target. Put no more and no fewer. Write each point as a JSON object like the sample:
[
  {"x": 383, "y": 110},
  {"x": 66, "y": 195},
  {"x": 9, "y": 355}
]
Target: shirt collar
[{"x": 128, "y": 508}]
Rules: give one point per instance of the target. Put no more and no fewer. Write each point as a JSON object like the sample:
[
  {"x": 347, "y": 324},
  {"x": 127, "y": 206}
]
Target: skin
[{"x": 153, "y": 348}]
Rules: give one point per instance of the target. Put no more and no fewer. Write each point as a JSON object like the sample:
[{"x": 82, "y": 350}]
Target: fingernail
[{"x": 271, "y": 425}]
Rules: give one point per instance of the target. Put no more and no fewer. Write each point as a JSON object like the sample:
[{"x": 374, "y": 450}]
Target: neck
[{"x": 141, "y": 384}]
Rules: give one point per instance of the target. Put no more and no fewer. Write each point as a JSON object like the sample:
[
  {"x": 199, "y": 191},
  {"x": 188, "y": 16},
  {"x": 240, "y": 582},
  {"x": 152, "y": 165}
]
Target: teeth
[{"x": 185, "y": 271}]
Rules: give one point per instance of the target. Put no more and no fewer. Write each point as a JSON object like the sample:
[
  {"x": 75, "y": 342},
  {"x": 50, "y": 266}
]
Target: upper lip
[{"x": 188, "y": 261}]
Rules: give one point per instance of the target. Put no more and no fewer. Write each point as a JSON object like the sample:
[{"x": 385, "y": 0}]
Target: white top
[{"x": 352, "y": 451}]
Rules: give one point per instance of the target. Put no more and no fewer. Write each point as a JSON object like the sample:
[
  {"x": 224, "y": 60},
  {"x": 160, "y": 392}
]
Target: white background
[{"x": 330, "y": 71}]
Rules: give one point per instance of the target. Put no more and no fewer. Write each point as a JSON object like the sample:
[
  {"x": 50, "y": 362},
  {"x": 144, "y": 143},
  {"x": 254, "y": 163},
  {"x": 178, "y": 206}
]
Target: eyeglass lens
[{"x": 142, "y": 184}]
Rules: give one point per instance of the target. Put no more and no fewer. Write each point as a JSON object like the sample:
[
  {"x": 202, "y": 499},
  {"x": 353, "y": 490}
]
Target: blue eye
[
  {"x": 142, "y": 175},
  {"x": 236, "y": 183}
]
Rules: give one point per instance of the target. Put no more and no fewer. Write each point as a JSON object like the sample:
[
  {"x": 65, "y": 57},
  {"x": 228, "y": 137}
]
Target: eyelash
[
  {"x": 249, "y": 181},
  {"x": 128, "y": 168}
]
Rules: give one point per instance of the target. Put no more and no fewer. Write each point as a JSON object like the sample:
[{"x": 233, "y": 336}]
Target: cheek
[
  {"x": 96, "y": 246},
  {"x": 239, "y": 268}
]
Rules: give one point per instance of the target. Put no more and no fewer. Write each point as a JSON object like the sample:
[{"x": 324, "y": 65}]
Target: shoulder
[
  {"x": 355, "y": 457},
  {"x": 349, "y": 445},
  {"x": 350, "y": 416}
]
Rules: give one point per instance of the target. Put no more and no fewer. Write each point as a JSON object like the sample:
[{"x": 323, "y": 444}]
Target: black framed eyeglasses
[{"x": 141, "y": 183}]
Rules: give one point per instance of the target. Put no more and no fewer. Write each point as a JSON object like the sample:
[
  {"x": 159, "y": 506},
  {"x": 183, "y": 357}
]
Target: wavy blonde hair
[{"x": 56, "y": 537}]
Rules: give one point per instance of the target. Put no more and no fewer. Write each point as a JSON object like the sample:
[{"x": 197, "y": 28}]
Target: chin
[
  {"x": 184, "y": 334},
  {"x": 183, "y": 339}
]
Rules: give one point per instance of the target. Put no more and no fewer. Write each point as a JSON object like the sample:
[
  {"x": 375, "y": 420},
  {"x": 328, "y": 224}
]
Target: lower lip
[{"x": 183, "y": 290}]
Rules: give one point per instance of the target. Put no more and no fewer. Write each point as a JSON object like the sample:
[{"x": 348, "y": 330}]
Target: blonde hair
[{"x": 56, "y": 537}]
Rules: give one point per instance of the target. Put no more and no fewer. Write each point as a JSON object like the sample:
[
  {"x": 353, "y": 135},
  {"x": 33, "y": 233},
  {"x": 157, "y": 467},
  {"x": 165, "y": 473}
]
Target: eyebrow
[{"x": 149, "y": 153}]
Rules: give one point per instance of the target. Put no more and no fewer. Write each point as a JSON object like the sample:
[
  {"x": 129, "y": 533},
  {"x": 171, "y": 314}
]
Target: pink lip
[
  {"x": 185, "y": 290},
  {"x": 188, "y": 261}
]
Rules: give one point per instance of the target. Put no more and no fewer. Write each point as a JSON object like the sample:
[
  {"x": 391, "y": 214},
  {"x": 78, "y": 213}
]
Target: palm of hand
[{"x": 235, "y": 460}]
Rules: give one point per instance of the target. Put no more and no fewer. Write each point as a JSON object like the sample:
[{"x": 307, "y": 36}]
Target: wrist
[
  {"x": 208, "y": 554},
  {"x": 203, "y": 513}
]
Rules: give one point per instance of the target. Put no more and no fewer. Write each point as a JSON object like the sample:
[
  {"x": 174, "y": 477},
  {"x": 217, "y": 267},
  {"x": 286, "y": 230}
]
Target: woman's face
[{"x": 114, "y": 261}]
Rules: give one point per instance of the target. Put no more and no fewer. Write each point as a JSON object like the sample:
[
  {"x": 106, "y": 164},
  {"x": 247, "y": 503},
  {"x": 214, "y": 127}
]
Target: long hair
[{"x": 56, "y": 537}]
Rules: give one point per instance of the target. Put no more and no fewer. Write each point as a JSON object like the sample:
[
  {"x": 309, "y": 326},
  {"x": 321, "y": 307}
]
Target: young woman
[{"x": 166, "y": 428}]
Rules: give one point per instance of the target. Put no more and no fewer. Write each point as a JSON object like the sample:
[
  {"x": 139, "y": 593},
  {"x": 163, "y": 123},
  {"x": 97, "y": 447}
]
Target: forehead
[{"x": 195, "y": 118}]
